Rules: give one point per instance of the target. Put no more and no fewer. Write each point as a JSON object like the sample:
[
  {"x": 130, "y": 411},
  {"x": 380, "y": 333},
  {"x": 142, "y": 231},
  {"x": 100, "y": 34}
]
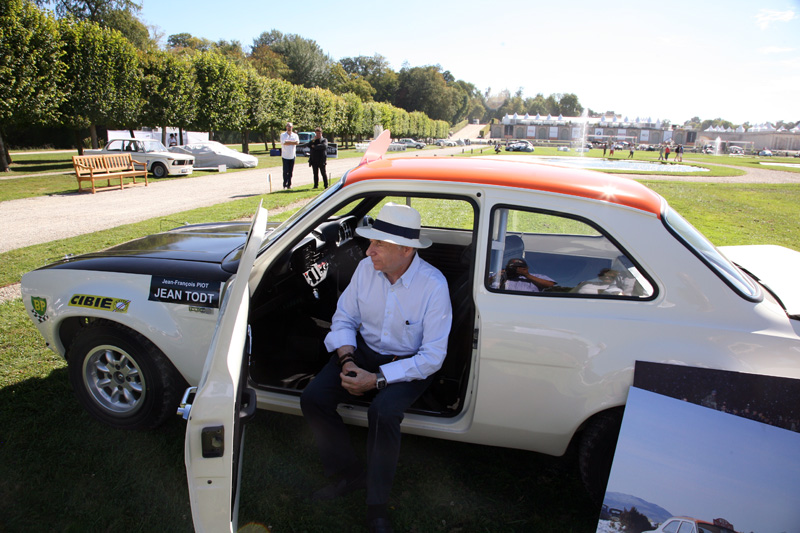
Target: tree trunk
[
  {"x": 78, "y": 142},
  {"x": 164, "y": 136},
  {"x": 246, "y": 141},
  {"x": 93, "y": 133},
  {"x": 5, "y": 160},
  {"x": 180, "y": 136}
]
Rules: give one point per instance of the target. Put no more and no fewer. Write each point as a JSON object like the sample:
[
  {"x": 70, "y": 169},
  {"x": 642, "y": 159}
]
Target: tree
[
  {"x": 102, "y": 80},
  {"x": 256, "y": 112},
  {"x": 425, "y": 89},
  {"x": 377, "y": 72},
  {"x": 280, "y": 108},
  {"x": 183, "y": 42},
  {"x": 91, "y": 10},
  {"x": 131, "y": 27},
  {"x": 221, "y": 94},
  {"x": 352, "y": 117},
  {"x": 633, "y": 521},
  {"x": 569, "y": 106},
  {"x": 232, "y": 50},
  {"x": 119, "y": 15},
  {"x": 342, "y": 82},
  {"x": 314, "y": 107},
  {"x": 308, "y": 64},
  {"x": 30, "y": 68},
  {"x": 268, "y": 63},
  {"x": 171, "y": 92}
]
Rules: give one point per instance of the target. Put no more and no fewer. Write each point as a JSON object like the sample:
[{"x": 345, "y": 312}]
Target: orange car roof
[{"x": 516, "y": 174}]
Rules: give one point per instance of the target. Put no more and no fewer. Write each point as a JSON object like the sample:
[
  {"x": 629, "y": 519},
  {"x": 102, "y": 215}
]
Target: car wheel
[
  {"x": 121, "y": 378},
  {"x": 158, "y": 170},
  {"x": 598, "y": 441}
]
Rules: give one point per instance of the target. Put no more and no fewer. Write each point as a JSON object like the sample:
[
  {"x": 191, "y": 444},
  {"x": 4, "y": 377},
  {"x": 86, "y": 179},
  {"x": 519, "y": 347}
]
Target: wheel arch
[
  {"x": 71, "y": 326},
  {"x": 594, "y": 443}
]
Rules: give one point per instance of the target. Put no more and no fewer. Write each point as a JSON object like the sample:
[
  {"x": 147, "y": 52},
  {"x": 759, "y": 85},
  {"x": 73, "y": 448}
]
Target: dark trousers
[
  {"x": 317, "y": 168},
  {"x": 288, "y": 169},
  {"x": 325, "y": 393}
]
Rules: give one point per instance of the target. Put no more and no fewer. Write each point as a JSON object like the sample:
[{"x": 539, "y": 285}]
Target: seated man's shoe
[
  {"x": 380, "y": 525},
  {"x": 341, "y": 487}
]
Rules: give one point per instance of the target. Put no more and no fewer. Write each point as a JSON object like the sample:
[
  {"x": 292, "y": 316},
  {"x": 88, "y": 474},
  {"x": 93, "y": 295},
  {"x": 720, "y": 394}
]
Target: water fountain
[
  {"x": 584, "y": 133},
  {"x": 717, "y": 146}
]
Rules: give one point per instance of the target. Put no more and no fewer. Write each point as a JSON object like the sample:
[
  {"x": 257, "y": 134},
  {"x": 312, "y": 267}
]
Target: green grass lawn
[{"x": 62, "y": 471}]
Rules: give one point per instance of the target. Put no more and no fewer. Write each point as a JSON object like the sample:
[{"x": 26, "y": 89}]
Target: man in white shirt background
[
  {"x": 389, "y": 336},
  {"x": 289, "y": 142}
]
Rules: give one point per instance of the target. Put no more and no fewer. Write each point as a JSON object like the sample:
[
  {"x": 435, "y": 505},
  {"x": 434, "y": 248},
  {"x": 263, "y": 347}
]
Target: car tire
[
  {"x": 597, "y": 444},
  {"x": 158, "y": 170},
  {"x": 121, "y": 378}
]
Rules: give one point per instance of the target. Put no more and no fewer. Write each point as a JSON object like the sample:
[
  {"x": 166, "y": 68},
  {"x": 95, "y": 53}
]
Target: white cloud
[
  {"x": 771, "y": 50},
  {"x": 765, "y": 17}
]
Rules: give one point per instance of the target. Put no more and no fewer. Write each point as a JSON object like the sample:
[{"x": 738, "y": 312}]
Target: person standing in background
[
  {"x": 318, "y": 157},
  {"x": 289, "y": 142}
]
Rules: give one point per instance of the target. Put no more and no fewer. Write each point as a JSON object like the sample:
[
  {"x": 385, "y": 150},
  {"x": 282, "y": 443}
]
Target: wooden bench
[{"x": 107, "y": 167}]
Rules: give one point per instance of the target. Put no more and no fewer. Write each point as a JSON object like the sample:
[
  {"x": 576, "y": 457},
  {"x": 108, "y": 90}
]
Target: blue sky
[
  {"x": 734, "y": 59},
  {"x": 698, "y": 462}
]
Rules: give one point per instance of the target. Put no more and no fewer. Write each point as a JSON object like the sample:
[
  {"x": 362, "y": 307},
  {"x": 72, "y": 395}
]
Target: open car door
[{"x": 222, "y": 403}]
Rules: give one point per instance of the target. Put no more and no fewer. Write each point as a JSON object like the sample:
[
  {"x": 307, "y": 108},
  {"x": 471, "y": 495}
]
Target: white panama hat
[{"x": 398, "y": 224}]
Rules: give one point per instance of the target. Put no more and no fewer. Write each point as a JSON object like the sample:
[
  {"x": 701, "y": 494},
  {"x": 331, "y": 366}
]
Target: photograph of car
[
  {"x": 736, "y": 150},
  {"x": 685, "y": 524},
  {"x": 519, "y": 146},
  {"x": 411, "y": 143},
  {"x": 530, "y": 370},
  {"x": 211, "y": 154},
  {"x": 160, "y": 161},
  {"x": 765, "y": 153}
]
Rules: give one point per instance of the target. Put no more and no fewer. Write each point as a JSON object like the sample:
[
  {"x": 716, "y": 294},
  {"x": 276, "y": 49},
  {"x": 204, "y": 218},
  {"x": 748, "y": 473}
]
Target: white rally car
[
  {"x": 160, "y": 161},
  {"x": 239, "y": 313}
]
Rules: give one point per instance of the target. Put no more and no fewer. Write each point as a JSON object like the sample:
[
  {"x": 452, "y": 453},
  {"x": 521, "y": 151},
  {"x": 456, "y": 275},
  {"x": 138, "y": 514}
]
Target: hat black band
[{"x": 400, "y": 231}]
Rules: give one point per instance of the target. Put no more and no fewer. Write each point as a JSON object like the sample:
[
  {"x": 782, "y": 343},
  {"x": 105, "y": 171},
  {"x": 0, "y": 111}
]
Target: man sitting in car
[{"x": 388, "y": 337}]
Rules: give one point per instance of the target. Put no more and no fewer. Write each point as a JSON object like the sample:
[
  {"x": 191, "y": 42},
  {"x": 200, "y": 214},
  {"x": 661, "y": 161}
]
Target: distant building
[
  {"x": 613, "y": 127},
  {"x": 759, "y": 137}
]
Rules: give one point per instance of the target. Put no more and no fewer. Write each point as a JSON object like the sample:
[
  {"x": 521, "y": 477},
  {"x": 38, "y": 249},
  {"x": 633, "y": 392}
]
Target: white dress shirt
[
  {"x": 410, "y": 318},
  {"x": 288, "y": 150}
]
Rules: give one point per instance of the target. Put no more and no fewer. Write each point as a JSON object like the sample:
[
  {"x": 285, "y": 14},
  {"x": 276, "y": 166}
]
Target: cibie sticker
[
  {"x": 104, "y": 303},
  {"x": 184, "y": 291}
]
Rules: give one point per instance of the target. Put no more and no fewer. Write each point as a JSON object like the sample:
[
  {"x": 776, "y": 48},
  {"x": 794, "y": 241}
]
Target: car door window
[
  {"x": 672, "y": 527},
  {"x": 114, "y": 146},
  {"x": 544, "y": 253},
  {"x": 687, "y": 527}
]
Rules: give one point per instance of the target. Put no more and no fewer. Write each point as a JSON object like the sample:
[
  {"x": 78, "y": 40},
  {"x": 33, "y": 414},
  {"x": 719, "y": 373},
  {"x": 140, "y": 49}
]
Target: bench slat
[{"x": 107, "y": 167}]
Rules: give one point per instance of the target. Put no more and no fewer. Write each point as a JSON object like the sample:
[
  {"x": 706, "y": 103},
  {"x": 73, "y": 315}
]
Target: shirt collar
[{"x": 408, "y": 275}]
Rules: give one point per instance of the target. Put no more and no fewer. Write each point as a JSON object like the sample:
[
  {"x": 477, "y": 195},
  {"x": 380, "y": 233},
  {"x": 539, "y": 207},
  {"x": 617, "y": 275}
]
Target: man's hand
[{"x": 362, "y": 382}]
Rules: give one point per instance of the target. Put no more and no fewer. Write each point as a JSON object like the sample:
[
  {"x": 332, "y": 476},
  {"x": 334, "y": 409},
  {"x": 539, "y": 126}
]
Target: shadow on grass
[
  {"x": 440, "y": 486},
  {"x": 40, "y": 165},
  {"x": 60, "y": 470}
]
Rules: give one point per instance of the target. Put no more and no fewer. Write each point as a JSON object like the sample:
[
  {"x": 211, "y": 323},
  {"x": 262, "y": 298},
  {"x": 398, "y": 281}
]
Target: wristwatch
[{"x": 380, "y": 380}]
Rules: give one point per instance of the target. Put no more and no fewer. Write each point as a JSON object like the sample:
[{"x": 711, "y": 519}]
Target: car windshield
[
  {"x": 289, "y": 222},
  {"x": 703, "y": 248},
  {"x": 153, "y": 146}
]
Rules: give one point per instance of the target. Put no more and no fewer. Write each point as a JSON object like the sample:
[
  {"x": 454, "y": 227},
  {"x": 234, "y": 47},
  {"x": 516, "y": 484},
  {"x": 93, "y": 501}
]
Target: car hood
[
  {"x": 199, "y": 242},
  {"x": 775, "y": 267}
]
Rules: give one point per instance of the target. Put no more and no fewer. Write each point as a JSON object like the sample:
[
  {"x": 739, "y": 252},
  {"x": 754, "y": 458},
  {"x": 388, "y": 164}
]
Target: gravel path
[{"x": 37, "y": 220}]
